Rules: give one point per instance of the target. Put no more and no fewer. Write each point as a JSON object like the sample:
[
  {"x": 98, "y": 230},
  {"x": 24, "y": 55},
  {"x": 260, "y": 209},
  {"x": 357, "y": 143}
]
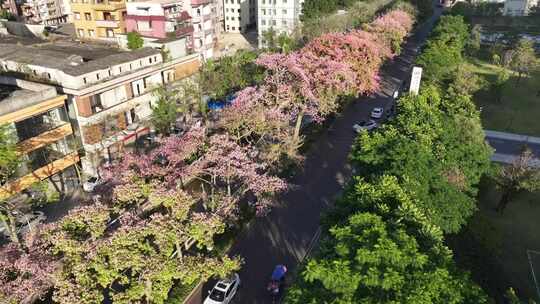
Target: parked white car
[
  {"x": 365, "y": 125},
  {"x": 377, "y": 112},
  {"x": 92, "y": 183},
  {"x": 223, "y": 291}
]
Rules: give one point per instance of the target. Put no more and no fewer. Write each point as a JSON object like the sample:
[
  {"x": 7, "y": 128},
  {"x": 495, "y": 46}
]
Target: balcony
[
  {"x": 107, "y": 23},
  {"x": 184, "y": 31},
  {"x": 39, "y": 174},
  {"x": 106, "y": 5},
  {"x": 199, "y": 2}
]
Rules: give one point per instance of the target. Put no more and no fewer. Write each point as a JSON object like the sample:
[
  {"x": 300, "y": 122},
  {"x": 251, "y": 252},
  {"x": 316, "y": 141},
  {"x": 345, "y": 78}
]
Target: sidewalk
[
  {"x": 512, "y": 137},
  {"x": 511, "y": 145}
]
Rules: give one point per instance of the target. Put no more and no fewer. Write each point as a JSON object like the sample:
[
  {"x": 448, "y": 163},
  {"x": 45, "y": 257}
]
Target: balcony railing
[{"x": 107, "y": 23}]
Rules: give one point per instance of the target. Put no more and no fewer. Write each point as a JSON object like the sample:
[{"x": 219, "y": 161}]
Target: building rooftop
[
  {"x": 17, "y": 94},
  {"x": 71, "y": 57}
]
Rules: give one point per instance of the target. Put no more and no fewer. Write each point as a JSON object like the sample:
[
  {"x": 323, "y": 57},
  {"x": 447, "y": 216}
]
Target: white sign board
[{"x": 415, "y": 80}]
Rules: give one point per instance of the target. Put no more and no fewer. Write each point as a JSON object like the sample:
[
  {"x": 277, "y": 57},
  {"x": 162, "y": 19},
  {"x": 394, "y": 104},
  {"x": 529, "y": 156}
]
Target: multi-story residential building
[
  {"x": 206, "y": 31},
  {"x": 519, "y": 7},
  {"x": 280, "y": 15},
  {"x": 109, "y": 91},
  {"x": 239, "y": 15},
  {"x": 46, "y": 12},
  {"x": 99, "y": 19},
  {"x": 37, "y": 118},
  {"x": 12, "y": 6},
  {"x": 160, "y": 19}
]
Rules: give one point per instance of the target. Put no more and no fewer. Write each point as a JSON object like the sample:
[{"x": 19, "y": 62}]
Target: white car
[
  {"x": 365, "y": 125},
  {"x": 92, "y": 183},
  {"x": 223, "y": 291},
  {"x": 377, "y": 112}
]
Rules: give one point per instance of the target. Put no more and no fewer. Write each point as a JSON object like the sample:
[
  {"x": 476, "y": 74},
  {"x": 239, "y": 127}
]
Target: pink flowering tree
[
  {"x": 392, "y": 28},
  {"x": 27, "y": 275}
]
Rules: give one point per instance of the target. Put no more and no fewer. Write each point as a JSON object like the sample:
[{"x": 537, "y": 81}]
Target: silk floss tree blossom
[{"x": 392, "y": 28}]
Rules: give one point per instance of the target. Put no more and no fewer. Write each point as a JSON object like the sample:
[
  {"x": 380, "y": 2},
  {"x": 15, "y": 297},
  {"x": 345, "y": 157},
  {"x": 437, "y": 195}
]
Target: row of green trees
[{"x": 383, "y": 241}]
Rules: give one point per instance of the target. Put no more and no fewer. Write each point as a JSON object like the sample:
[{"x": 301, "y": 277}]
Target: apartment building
[
  {"x": 160, "y": 19},
  {"x": 206, "y": 27},
  {"x": 279, "y": 15},
  {"x": 99, "y": 19},
  {"x": 47, "y": 12},
  {"x": 37, "y": 118},
  {"x": 239, "y": 15},
  {"x": 519, "y": 7},
  {"x": 109, "y": 91},
  {"x": 12, "y": 6}
]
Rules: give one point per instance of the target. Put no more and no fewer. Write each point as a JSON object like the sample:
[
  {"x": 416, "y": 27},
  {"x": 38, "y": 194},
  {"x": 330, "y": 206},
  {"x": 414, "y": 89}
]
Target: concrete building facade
[
  {"x": 239, "y": 15},
  {"x": 98, "y": 19},
  {"x": 47, "y": 12},
  {"x": 278, "y": 15},
  {"x": 109, "y": 95},
  {"x": 37, "y": 118},
  {"x": 518, "y": 7},
  {"x": 160, "y": 19}
]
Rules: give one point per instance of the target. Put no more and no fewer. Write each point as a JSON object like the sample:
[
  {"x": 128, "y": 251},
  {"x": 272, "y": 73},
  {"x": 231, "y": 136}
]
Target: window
[
  {"x": 144, "y": 25},
  {"x": 284, "y": 22},
  {"x": 233, "y": 28},
  {"x": 239, "y": 28},
  {"x": 227, "y": 10},
  {"x": 263, "y": 22},
  {"x": 80, "y": 33},
  {"x": 226, "y": 1},
  {"x": 97, "y": 76},
  {"x": 110, "y": 73},
  {"x": 274, "y": 11},
  {"x": 95, "y": 103},
  {"x": 110, "y": 33},
  {"x": 130, "y": 67},
  {"x": 239, "y": 10},
  {"x": 284, "y": 12},
  {"x": 238, "y": 1},
  {"x": 239, "y": 18},
  {"x": 84, "y": 80},
  {"x": 91, "y": 33},
  {"x": 284, "y": 1},
  {"x": 228, "y": 28},
  {"x": 150, "y": 60},
  {"x": 273, "y": 22},
  {"x": 263, "y": 11},
  {"x": 263, "y": 2},
  {"x": 77, "y": 15},
  {"x": 120, "y": 69},
  {"x": 87, "y": 16},
  {"x": 232, "y": 18},
  {"x": 227, "y": 18}
]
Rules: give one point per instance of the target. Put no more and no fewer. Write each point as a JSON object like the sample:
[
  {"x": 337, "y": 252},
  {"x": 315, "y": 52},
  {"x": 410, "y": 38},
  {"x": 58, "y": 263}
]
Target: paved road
[
  {"x": 512, "y": 147},
  {"x": 286, "y": 233}
]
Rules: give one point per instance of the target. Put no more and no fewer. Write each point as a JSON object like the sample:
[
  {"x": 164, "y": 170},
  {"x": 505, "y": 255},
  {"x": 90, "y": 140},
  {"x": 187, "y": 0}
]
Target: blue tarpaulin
[
  {"x": 279, "y": 272},
  {"x": 220, "y": 104}
]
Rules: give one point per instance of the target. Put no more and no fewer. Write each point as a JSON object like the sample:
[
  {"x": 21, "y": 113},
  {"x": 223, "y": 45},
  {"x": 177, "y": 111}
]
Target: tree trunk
[
  {"x": 298, "y": 125},
  {"x": 503, "y": 202},
  {"x": 12, "y": 229}
]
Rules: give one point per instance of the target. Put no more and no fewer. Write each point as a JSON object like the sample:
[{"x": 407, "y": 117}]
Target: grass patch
[
  {"x": 519, "y": 109},
  {"x": 493, "y": 246}
]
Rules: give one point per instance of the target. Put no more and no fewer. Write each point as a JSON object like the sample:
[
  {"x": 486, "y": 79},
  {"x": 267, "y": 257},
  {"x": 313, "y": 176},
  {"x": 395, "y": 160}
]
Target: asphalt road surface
[
  {"x": 512, "y": 147},
  {"x": 284, "y": 236}
]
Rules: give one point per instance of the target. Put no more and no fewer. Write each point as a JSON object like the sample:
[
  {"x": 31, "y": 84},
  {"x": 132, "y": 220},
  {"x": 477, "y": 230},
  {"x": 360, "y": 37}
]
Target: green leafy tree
[
  {"x": 285, "y": 43},
  {"x": 499, "y": 84},
  {"x": 164, "y": 112},
  {"x": 523, "y": 58},
  {"x": 465, "y": 82},
  {"x": 270, "y": 37},
  {"x": 443, "y": 53},
  {"x": 134, "y": 41},
  {"x": 229, "y": 74},
  {"x": 474, "y": 43},
  {"x": 380, "y": 248},
  {"x": 9, "y": 159},
  {"x": 517, "y": 177},
  {"x": 314, "y": 9},
  {"x": 436, "y": 146}
]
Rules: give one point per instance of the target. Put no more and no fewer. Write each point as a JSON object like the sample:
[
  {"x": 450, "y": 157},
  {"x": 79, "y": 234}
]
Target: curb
[
  {"x": 508, "y": 159},
  {"x": 511, "y": 136}
]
